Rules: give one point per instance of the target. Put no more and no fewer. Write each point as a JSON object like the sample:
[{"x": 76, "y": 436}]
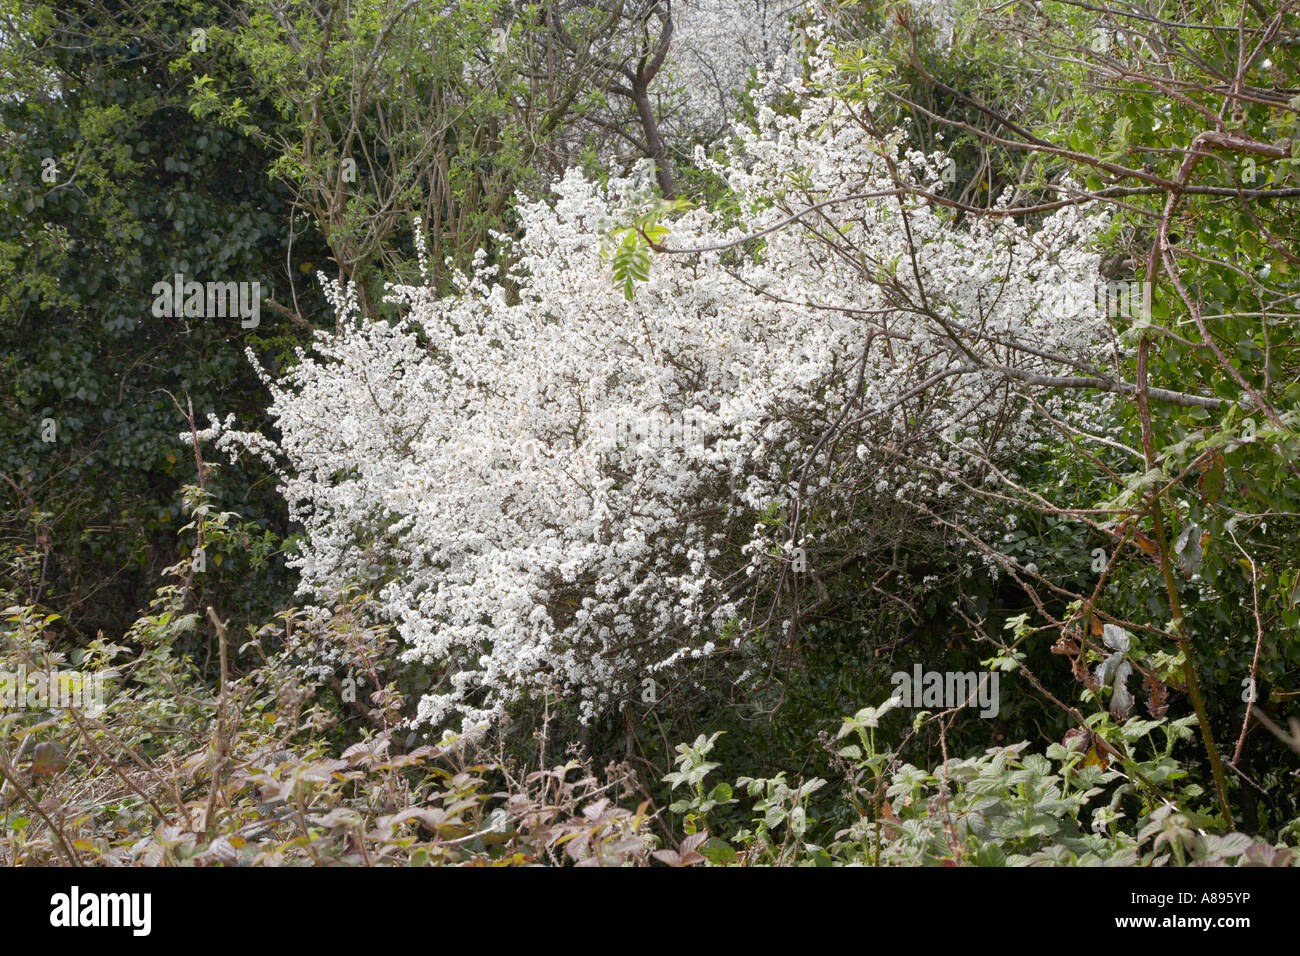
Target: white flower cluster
[
  {"x": 716, "y": 46},
  {"x": 460, "y": 463},
  {"x": 939, "y": 14}
]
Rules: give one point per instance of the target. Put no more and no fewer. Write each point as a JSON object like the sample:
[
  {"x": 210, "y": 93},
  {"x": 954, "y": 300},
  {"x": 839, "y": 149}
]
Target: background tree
[
  {"x": 1181, "y": 118},
  {"x": 108, "y": 187}
]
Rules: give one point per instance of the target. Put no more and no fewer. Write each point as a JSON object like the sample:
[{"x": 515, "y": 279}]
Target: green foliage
[
  {"x": 628, "y": 247},
  {"x": 382, "y": 114},
  {"x": 1005, "y": 807},
  {"x": 173, "y": 772},
  {"x": 225, "y": 160},
  {"x": 140, "y": 192}
]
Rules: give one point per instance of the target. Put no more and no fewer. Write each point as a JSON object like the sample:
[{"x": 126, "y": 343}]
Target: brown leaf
[
  {"x": 1145, "y": 543},
  {"x": 1076, "y": 738},
  {"x": 692, "y": 842},
  {"x": 1084, "y": 675},
  {"x": 367, "y": 750},
  {"x": 1157, "y": 697},
  {"x": 48, "y": 759},
  {"x": 685, "y": 855},
  {"x": 1212, "y": 481},
  {"x": 1096, "y": 759},
  {"x": 222, "y": 851},
  {"x": 1066, "y": 645}
]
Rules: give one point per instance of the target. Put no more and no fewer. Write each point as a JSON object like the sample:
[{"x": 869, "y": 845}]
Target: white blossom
[{"x": 460, "y": 463}]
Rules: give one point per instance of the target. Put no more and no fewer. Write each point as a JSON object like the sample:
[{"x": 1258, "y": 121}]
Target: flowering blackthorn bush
[{"x": 454, "y": 463}]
